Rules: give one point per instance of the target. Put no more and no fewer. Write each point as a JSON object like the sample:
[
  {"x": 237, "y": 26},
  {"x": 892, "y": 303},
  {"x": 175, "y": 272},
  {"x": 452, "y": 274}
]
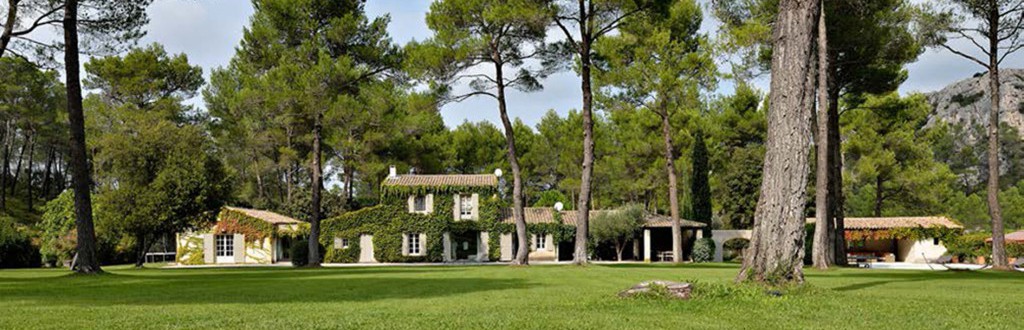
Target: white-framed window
[
  {"x": 419, "y": 203},
  {"x": 225, "y": 245},
  {"x": 465, "y": 206},
  {"x": 540, "y": 242},
  {"x": 340, "y": 243},
  {"x": 415, "y": 246}
]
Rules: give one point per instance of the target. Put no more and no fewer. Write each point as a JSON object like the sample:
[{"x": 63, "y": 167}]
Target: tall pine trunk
[
  {"x": 835, "y": 159},
  {"x": 822, "y": 254},
  {"x": 673, "y": 190},
  {"x": 7, "y": 141},
  {"x": 994, "y": 210},
  {"x": 776, "y": 252},
  {"x": 28, "y": 173},
  {"x": 314, "y": 222},
  {"x": 582, "y": 227},
  {"x": 523, "y": 251},
  {"x": 21, "y": 157},
  {"x": 87, "y": 261}
]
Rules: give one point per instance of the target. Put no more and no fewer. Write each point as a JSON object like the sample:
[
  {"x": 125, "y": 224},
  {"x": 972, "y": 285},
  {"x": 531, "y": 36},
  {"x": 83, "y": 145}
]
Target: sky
[{"x": 208, "y": 32}]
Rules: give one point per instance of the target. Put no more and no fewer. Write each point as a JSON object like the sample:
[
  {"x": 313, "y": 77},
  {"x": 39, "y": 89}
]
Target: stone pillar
[
  {"x": 718, "y": 249},
  {"x": 446, "y": 243},
  {"x": 647, "y": 245},
  {"x": 506, "y": 247},
  {"x": 484, "y": 250}
]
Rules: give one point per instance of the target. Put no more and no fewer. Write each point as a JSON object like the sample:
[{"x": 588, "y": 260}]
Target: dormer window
[
  {"x": 465, "y": 206},
  {"x": 419, "y": 203}
]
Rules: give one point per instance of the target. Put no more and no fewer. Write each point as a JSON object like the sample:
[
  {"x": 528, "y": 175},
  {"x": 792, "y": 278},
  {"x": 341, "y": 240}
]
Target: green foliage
[
  {"x": 16, "y": 249},
  {"x": 734, "y": 248},
  {"x": 967, "y": 99},
  {"x": 300, "y": 252},
  {"x": 617, "y": 226},
  {"x": 700, "y": 188},
  {"x": 549, "y": 198},
  {"x": 737, "y": 155},
  {"x": 892, "y": 170},
  {"x": 57, "y": 240},
  {"x": 703, "y": 250},
  {"x": 191, "y": 253},
  {"x": 971, "y": 246}
]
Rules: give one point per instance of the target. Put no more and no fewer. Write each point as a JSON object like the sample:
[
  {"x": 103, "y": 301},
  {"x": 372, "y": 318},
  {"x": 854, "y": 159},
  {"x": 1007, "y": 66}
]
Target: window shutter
[
  {"x": 423, "y": 244},
  {"x": 209, "y": 250},
  {"x": 533, "y": 242},
  {"x": 476, "y": 207},
  {"x": 412, "y": 206},
  {"x": 405, "y": 244},
  {"x": 430, "y": 203},
  {"x": 239, "y": 241},
  {"x": 456, "y": 208},
  {"x": 549, "y": 240}
]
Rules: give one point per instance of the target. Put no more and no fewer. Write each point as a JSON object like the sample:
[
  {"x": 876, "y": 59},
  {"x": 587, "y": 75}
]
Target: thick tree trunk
[
  {"x": 994, "y": 210},
  {"x": 673, "y": 190},
  {"x": 582, "y": 227},
  {"x": 12, "y": 18},
  {"x": 87, "y": 262},
  {"x": 776, "y": 252},
  {"x": 523, "y": 252},
  {"x": 314, "y": 223},
  {"x": 140, "y": 253},
  {"x": 822, "y": 254}
]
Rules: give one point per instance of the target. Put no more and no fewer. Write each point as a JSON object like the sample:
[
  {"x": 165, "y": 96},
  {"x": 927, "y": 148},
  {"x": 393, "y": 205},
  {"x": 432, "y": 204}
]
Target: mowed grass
[{"x": 491, "y": 297}]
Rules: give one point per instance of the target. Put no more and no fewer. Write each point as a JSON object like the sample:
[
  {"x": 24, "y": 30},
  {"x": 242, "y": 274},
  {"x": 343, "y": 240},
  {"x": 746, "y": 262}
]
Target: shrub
[
  {"x": 704, "y": 250},
  {"x": 300, "y": 253},
  {"x": 734, "y": 248},
  {"x": 16, "y": 248}
]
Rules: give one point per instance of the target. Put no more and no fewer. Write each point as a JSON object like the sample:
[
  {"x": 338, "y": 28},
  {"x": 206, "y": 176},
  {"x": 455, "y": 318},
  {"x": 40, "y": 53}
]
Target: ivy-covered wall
[
  {"x": 391, "y": 219},
  {"x": 259, "y": 237}
]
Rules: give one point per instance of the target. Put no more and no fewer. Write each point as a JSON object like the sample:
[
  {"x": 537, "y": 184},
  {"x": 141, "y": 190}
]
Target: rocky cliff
[{"x": 967, "y": 102}]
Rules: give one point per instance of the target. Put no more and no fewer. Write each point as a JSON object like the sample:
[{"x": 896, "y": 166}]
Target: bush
[
  {"x": 300, "y": 253},
  {"x": 704, "y": 250},
  {"x": 734, "y": 248},
  {"x": 16, "y": 250}
]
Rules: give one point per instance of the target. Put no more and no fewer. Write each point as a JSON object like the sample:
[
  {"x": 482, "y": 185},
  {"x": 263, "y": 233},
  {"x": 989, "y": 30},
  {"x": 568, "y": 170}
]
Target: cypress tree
[{"x": 700, "y": 189}]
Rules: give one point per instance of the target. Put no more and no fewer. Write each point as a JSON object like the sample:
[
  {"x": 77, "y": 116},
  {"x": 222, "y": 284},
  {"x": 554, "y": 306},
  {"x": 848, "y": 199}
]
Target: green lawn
[{"x": 497, "y": 297}]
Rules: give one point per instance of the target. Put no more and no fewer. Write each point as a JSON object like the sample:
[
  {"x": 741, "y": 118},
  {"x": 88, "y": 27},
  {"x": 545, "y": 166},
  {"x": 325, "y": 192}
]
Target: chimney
[{"x": 392, "y": 172}]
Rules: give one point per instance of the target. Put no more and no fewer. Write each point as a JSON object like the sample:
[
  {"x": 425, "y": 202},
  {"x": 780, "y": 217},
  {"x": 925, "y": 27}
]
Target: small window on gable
[
  {"x": 935, "y": 241},
  {"x": 419, "y": 203},
  {"x": 465, "y": 206}
]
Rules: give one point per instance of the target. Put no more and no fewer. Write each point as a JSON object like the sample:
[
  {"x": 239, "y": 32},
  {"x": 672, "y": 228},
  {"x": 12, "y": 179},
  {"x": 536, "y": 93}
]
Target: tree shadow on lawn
[
  {"x": 243, "y": 288},
  {"x": 238, "y": 273},
  {"x": 888, "y": 277},
  {"x": 667, "y": 265}
]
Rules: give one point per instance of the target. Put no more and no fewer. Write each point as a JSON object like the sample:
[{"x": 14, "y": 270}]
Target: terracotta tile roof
[
  {"x": 267, "y": 216},
  {"x": 435, "y": 180},
  {"x": 532, "y": 215},
  {"x": 664, "y": 221},
  {"x": 1014, "y": 237},
  {"x": 896, "y": 222},
  {"x": 571, "y": 217}
]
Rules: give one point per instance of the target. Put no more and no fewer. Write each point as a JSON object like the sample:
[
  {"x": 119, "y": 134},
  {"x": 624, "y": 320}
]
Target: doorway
[{"x": 465, "y": 244}]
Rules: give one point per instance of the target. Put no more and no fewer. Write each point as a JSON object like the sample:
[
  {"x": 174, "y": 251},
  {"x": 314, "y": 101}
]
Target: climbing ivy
[
  {"x": 388, "y": 221},
  {"x": 944, "y": 234}
]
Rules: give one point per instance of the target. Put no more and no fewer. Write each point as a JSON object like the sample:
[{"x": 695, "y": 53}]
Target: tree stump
[{"x": 676, "y": 290}]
